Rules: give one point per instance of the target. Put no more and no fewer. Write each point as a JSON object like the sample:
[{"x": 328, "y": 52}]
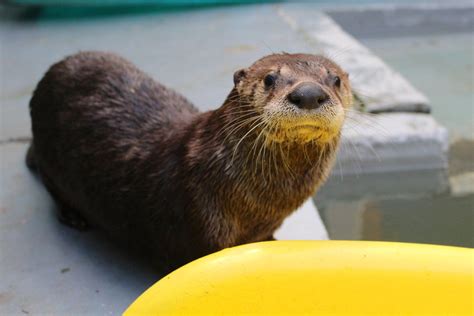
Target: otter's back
[{"x": 95, "y": 119}]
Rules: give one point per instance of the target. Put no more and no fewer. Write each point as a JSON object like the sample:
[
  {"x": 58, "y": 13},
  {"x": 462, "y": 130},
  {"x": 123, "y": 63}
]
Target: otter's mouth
[
  {"x": 305, "y": 126},
  {"x": 302, "y": 133},
  {"x": 306, "y": 132}
]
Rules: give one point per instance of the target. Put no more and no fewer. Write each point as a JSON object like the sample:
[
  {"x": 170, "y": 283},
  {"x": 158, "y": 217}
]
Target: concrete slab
[{"x": 392, "y": 142}]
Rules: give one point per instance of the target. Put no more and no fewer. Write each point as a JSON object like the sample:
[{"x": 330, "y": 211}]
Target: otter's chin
[{"x": 304, "y": 133}]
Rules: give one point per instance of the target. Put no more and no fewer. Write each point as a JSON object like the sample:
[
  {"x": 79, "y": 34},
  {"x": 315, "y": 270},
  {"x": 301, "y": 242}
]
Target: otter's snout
[{"x": 308, "y": 96}]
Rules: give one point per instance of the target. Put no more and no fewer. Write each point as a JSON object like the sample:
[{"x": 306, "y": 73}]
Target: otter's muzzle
[{"x": 308, "y": 96}]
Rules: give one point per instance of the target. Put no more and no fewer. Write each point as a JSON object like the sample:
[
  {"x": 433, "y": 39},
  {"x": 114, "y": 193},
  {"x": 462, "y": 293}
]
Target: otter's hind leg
[
  {"x": 72, "y": 218},
  {"x": 67, "y": 215}
]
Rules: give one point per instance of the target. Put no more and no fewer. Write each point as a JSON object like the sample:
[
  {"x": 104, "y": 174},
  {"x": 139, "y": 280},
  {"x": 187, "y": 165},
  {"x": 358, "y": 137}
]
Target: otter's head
[{"x": 300, "y": 97}]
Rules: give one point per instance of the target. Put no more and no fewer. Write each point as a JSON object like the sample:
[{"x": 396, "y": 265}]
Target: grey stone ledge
[{"x": 392, "y": 142}]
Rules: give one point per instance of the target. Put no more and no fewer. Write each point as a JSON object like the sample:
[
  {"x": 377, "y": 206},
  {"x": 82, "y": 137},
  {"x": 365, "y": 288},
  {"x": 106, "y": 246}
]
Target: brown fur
[{"x": 139, "y": 161}]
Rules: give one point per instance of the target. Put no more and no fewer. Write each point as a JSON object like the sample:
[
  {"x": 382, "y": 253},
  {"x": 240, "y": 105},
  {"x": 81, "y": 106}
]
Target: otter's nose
[{"x": 308, "y": 96}]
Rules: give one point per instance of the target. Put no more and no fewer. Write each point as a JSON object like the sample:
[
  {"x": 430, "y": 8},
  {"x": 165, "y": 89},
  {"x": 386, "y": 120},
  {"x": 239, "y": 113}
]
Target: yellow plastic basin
[{"x": 318, "y": 278}]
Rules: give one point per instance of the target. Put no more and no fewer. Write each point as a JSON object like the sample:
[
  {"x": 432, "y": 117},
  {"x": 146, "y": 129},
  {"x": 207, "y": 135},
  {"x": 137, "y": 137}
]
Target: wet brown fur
[{"x": 139, "y": 161}]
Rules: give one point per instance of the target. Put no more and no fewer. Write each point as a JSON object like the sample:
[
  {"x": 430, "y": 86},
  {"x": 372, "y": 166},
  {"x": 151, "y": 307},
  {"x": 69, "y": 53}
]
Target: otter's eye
[
  {"x": 269, "y": 80},
  {"x": 337, "y": 81}
]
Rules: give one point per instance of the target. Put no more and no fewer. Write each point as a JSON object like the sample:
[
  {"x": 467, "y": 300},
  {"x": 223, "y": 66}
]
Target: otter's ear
[{"x": 239, "y": 75}]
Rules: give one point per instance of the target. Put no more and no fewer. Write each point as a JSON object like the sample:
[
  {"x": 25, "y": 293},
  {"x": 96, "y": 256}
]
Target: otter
[{"x": 123, "y": 153}]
